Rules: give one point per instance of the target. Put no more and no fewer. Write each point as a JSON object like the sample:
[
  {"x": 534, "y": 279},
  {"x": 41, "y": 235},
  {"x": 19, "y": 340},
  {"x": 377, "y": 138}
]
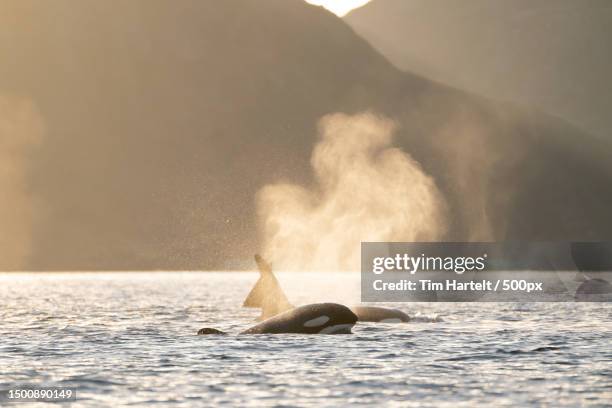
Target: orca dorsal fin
[
  {"x": 267, "y": 293},
  {"x": 264, "y": 267}
]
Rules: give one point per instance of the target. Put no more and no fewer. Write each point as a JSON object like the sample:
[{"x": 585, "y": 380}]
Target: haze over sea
[{"x": 129, "y": 339}]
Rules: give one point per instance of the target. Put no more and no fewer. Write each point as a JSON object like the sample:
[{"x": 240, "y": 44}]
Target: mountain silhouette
[
  {"x": 551, "y": 54},
  {"x": 161, "y": 120}
]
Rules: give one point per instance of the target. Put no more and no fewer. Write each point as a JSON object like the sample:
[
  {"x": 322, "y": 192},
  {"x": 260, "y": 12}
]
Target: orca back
[
  {"x": 379, "y": 314},
  {"x": 317, "y": 318}
]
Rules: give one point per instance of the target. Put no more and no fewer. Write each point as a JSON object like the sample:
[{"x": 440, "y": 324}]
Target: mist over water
[{"x": 365, "y": 190}]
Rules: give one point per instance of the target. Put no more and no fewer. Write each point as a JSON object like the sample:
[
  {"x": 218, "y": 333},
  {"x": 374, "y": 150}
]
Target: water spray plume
[{"x": 366, "y": 190}]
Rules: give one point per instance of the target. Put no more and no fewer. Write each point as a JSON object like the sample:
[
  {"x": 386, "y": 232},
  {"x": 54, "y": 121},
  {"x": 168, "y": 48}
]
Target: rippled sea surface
[{"x": 129, "y": 339}]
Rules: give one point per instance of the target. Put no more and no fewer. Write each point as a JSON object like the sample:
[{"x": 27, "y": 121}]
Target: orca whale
[
  {"x": 317, "y": 318},
  {"x": 268, "y": 295},
  {"x": 379, "y": 314},
  {"x": 594, "y": 260},
  {"x": 594, "y": 289}
]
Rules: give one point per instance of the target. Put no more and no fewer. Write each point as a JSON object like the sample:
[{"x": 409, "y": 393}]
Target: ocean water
[{"x": 129, "y": 339}]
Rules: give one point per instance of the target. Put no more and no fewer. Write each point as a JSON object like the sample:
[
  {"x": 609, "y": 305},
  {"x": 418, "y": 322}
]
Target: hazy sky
[{"x": 340, "y": 7}]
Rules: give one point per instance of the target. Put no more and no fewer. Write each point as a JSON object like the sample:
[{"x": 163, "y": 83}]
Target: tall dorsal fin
[{"x": 267, "y": 293}]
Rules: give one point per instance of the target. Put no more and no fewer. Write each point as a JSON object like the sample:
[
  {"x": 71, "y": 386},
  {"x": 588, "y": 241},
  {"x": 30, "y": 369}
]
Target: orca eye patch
[{"x": 316, "y": 322}]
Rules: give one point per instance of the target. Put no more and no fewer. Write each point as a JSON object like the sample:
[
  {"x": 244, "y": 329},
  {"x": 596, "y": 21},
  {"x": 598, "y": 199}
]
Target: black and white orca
[
  {"x": 268, "y": 295},
  {"x": 317, "y": 318}
]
